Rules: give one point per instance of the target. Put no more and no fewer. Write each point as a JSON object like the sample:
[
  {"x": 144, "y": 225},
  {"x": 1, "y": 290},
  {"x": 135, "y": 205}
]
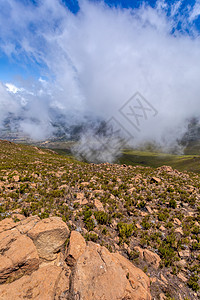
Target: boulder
[
  {"x": 181, "y": 263},
  {"x": 80, "y": 198},
  {"x": 18, "y": 255},
  {"x": 49, "y": 236},
  {"x": 99, "y": 274},
  {"x": 165, "y": 169},
  {"x": 44, "y": 284},
  {"x": 76, "y": 248},
  {"x": 151, "y": 258}
]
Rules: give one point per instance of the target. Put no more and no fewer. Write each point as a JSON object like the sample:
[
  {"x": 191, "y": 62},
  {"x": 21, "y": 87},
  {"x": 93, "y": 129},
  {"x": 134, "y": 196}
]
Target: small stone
[
  {"x": 181, "y": 263},
  {"x": 163, "y": 279},
  {"x": 80, "y": 196},
  {"x": 85, "y": 183},
  {"x": 177, "y": 222},
  {"x": 140, "y": 250},
  {"x": 84, "y": 202},
  {"x": 125, "y": 246},
  {"x": 179, "y": 230},
  {"x": 182, "y": 277},
  {"x": 162, "y": 228},
  {"x": 162, "y": 296},
  {"x": 116, "y": 239},
  {"x": 151, "y": 258},
  {"x": 180, "y": 297},
  {"x": 16, "y": 178},
  {"x": 131, "y": 190},
  {"x": 153, "y": 279},
  {"x": 98, "y": 204},
  {"x": 149, "y": 209},
  {"x": 143, "y": 214},
  {"x": 155, "y": 180},
  {"x": 184, "y": 253},
  {"x": 138, "y": 225},
  {"x": 116, "y": 247}
]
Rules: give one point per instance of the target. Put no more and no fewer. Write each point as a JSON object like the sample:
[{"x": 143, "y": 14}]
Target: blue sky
[
  {"x": 10, "y": 67},
  {"x": 74, "y": 6}
]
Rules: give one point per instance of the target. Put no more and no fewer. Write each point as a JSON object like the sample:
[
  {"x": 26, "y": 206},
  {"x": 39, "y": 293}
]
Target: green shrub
[
  {"x": 172, "y": 203},
  {"x": 117, "y": 215},
  {"x": 44, "y": 215},
  {"x": 163, "y": 216},
  {"x": 125, "y": 230},
  {"x": 89, "y": 222},
  {"x": 134, "y": 254},
  {"x": 141, "y": 204},
  {"x": 104, "y": 231},
  {"x": 167, "y": 253},
  {"x": 87, "y": 214},
  {"x": 91, "y": 237},
  {"x": 102, "y": 217},
  {"x": 195, "y": 246},
  {"x": 196, "y": 229},
  {"x": 193, "y": 283},
  {"x": 145, "y": 224},
  {"x": 25, "y": 212}
]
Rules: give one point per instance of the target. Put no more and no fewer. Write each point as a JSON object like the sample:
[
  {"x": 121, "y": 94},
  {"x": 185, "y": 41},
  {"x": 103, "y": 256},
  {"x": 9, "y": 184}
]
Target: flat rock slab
[
  {"x": 99, "y": 274},
  {"x": 27, "y": 224},
  {"x": 44, "y": 284},
  {"x": 7, "y": 224}
]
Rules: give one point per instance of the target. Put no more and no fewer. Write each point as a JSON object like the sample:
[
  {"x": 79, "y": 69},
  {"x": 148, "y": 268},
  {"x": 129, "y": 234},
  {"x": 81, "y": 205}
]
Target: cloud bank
[{"x": 91, "y": 63}]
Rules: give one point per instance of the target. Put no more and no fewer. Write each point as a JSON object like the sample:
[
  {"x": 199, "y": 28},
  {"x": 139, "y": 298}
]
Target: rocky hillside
[
  {"x": 37, "y": 264},
  {"x": 129, "y": 217}
]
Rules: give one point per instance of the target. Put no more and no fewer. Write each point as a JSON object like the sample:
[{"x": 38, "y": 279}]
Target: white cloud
[
  {"x": 12, "y": 88},
  {"x": 98, "y": 58},
  {"x": 195, "y": 12}
]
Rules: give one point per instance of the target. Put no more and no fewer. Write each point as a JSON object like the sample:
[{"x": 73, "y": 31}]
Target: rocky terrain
[
  {"x": 37, "y": 264},
  {"x": 123, "y": 228}
]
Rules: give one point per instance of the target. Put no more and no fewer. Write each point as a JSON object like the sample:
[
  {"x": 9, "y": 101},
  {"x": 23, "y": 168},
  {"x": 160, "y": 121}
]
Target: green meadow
[{"x": 189, "y": 163}]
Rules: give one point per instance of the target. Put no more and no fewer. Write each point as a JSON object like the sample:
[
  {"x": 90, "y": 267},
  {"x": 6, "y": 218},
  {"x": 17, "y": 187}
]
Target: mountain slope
[{"x": 150, "y": 216}]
